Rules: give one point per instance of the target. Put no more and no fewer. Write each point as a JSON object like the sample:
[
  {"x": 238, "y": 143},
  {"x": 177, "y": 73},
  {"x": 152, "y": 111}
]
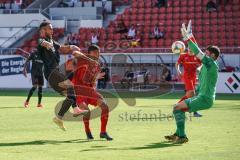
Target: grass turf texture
[{"x": 30, "y": 133}]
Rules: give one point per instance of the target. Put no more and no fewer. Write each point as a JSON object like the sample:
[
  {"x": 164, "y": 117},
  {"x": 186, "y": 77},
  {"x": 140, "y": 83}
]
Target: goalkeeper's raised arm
[
  {"x": 212, "y": 52},
  {"x": 195, "y": 49},
  {"x": 192, "y": 44}
]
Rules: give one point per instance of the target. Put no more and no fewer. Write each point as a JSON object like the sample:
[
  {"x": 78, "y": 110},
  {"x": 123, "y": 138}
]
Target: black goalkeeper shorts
[
  {"x": 37, "y": 80},
  {"x": 56, "y": 77}
]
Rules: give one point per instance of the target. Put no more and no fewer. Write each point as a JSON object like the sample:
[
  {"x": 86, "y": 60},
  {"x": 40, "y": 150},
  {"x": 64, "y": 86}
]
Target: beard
[{"x": 49, "y": 36}]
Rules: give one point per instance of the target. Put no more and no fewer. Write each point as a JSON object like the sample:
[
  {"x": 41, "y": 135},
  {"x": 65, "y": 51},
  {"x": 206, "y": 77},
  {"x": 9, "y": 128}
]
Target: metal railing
[
  {"x": 10, "y": 51},
  {"x": 45, "y": 11},
  {"x": 83, "y": 17},
  {"x": 24, "y": 30},
  {"x": 19, "y": 11},
  {"x": 229, "y": 50}
]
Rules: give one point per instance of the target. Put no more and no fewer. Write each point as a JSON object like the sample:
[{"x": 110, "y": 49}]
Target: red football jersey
[
  {"x": 85, "y": 73},
  {"x": 190, "y": 64}
]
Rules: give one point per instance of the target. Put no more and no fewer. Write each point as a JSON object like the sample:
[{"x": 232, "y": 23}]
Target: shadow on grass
[
  {"x": 44, "y": 142},
  {"x": 163, "y": 144}
]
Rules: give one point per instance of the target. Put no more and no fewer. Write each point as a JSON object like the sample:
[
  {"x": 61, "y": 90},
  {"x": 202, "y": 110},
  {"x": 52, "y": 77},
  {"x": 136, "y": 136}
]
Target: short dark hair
[
  {"x": 215, "y": 50},
  {"x": 44, "y": 24},
  {"x": 93, "y": 48}
]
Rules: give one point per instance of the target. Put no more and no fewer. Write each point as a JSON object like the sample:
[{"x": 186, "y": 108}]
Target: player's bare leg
[{"x": 59, "y": 123}]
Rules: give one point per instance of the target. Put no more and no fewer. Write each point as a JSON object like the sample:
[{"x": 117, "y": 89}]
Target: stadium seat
[
  {"x": 190, "y": 3},
  {"x": 176, "y": 3},
  {"x": 184, "y": 3},
  {"x": 176, "y": 9},
  {"x": 215, "y": 27}
]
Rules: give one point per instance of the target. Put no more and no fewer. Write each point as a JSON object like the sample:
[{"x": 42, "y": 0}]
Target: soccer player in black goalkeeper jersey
[
  {"x": 37, "y": 77},
  {"x": 49, "y": 51}
]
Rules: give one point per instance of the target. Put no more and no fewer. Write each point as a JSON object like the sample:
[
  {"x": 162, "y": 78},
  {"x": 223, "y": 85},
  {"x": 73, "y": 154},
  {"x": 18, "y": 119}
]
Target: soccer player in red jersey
[
  {"x": 84, "y": 80},
  {"x": 190, "y": 64}
]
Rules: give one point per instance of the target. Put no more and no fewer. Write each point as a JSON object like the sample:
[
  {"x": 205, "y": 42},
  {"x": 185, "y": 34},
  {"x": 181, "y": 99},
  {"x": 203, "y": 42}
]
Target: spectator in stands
[
  {"x": 62, "y": 4},
  {"x": 157, "y": 33},
  {"x": 104, "y": 3},
  {"x": 93, "y": 2},
  {"x": 161, "y": 3},
  {"x": 121, "y": 27},
  {"x": 211, "y": 6},
  {"x": 73, "y": 2},
  {"x": 69, "y": 39},
  {"x": 166, "y": 74},
  {"x": 72, "y": 39},
  {"x": 135, "y": 42},
  {"x": 94, "y": 39},
  {"x": 104, "y": 9},
  {"x": 131, "y": 32},
  {"x": 75, "y": 40}
]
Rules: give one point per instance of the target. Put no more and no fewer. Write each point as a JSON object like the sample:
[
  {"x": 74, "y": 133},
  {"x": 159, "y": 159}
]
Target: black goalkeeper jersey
[
  {"x": 37, "y": 64},
  {"x": 50, "y": 57}
]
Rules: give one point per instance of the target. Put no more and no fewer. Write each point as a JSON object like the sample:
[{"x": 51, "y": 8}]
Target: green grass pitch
[{"x": 30, "y": 134}]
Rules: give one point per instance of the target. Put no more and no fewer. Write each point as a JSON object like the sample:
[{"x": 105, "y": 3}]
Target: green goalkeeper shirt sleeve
[
  {"x": 196, "y": 50},
  {"x": 206, "y": 60}
]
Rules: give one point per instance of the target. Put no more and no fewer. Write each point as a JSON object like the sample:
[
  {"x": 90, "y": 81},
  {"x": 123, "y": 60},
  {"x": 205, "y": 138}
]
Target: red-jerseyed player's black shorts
[{"x": 88, "y": 95}]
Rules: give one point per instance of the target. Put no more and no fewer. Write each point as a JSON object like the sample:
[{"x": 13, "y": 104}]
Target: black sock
[
  {"x": 68, "y": 102},
  {"x": 39, "y": 95},
  {"x": 30, "y": 93},
  {"x": 65, "y": 107},
  {"x": 71, "y": 95}
]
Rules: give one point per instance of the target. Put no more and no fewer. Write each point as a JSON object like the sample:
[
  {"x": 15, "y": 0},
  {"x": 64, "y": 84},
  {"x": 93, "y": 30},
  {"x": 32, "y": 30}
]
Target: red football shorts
[
  {"x": 189, "y": 84},
  {"x": 88, "y": 95}
]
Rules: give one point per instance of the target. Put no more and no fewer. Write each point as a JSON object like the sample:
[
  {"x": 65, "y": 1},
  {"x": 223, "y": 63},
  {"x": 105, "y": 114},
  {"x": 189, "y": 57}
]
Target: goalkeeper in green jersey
[{"x": 206, "y": 89}]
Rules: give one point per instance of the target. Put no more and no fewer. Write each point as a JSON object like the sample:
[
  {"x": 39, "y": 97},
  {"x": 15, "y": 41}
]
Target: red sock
[
  {"x": 86, "y": 123},
  {"x": 185, "y": 110},
  {"x": 104, "y": 118},
  {"x": 183, "y": 98}
]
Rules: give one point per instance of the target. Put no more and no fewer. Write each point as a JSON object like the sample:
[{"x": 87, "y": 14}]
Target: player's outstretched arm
[
  {"x": 25, "y": 69},
  {"x": 198, "y": 52},
  {"x": 187, "y": 32},
  {"x": 177, "y": 66},
  {"x": 25, "y": 66},
  {"x": 78, "y": 54},
  {"x": 66, "y": 49},
  {"x": 189, "y": 38}
]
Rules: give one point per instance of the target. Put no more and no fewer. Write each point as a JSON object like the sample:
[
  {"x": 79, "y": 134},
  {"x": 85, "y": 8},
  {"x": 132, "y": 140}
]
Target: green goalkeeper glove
[{"x": 187, "y": 32}]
